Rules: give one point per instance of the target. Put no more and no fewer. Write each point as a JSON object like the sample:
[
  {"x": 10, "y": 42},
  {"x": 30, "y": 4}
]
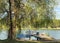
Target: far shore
[{"x": 58, "y": 28}]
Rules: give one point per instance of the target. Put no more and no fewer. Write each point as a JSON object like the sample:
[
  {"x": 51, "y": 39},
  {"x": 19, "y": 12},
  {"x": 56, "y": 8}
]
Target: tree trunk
[
  {"x": 12, "y": 24},
  {"x": 10, "y": 19}
]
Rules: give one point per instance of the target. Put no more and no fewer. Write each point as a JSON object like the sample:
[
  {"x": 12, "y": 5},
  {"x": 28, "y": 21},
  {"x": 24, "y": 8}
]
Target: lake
[{"x": 53, "y": 33}]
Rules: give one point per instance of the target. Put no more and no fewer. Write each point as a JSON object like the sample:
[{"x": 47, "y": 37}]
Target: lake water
[
  {"x": 53, "y": 33},
  {"x": 3, "y": 34}
]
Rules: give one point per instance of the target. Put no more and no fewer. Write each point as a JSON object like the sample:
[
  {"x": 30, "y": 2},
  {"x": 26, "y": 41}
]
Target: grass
[{"x": 14, "y": 41}]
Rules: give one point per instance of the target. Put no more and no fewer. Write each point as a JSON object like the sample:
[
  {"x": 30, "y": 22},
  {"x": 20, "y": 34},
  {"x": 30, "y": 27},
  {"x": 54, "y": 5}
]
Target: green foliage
[
  {"x": 2, "y": 6},
  {"x": 33, "y": 13},
  {"x": 3, "y": 17},
  {"x": 44, "y": 12}
]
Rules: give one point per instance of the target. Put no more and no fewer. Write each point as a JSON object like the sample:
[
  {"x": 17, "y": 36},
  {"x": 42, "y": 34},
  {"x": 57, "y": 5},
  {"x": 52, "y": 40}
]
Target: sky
[{"x": 57, "y": 9}]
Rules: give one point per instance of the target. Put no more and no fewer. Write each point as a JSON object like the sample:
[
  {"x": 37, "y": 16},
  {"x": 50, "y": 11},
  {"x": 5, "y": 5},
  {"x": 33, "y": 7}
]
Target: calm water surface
[{"x": 53, "y": 33}]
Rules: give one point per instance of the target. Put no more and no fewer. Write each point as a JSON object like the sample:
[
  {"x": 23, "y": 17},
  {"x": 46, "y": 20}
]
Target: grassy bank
[
  {"x": 58, "y": 28},
  {"x": 14, "y": 41}
]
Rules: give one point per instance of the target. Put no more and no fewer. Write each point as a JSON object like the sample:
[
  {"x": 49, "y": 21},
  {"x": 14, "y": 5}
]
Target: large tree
[{"x": 34, "y": 13}]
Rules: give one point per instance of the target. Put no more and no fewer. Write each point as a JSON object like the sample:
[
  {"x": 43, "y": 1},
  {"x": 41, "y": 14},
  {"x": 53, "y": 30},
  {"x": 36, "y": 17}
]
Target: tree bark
[{"x": 10, "y": 19}]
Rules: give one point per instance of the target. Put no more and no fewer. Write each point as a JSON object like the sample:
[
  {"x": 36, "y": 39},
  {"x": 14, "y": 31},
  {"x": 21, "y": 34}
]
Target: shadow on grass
[{"x": 14, "y": 41}]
